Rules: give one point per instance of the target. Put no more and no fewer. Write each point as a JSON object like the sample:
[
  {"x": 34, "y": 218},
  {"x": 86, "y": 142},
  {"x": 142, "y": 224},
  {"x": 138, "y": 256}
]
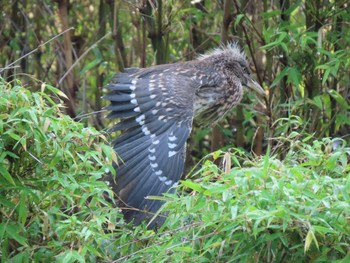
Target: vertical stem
[
  {"x": 218, "y": 139},
  {"x": 68, "y": 85},
  {"x": 160, "y": 48},
  {"x": 155, "y": 29},
  {"x": 102, "y": 14},
  {"x": 259, "y": 134},
  {"x": 284, "y": 89},
  {"x": 312, "y": 83},
  {"x": 119, "y": 49},
  {"x": 144, "y": 43},
  {"x": 269, "y": 71},
  {"x": 238, "y": 122}
]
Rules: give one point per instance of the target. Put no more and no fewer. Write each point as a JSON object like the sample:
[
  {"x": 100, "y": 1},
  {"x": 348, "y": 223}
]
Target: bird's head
[{"x": 234, "y": 63}]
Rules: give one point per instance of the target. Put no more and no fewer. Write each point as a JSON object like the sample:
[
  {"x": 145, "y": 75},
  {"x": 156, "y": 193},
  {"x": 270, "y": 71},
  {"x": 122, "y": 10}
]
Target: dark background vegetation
[{"x": 298, "y": 51}]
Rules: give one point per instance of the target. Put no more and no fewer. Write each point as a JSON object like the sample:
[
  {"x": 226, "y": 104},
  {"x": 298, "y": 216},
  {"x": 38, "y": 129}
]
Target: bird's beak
[{"x": 252, "y": 84}]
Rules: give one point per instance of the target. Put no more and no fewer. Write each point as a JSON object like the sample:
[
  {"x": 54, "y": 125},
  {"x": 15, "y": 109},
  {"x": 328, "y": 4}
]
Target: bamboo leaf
[{"x": 192, "y": 185}]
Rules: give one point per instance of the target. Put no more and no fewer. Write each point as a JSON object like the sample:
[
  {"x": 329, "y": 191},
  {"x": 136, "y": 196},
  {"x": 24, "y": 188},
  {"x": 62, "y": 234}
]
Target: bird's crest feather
[{"x": 232, "y": 49}]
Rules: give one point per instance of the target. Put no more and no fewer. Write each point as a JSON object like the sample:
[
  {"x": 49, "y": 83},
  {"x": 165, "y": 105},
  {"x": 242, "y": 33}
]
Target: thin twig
[
  {"x": 88, "y": 114},
  {"x": 9, "y": 67},
  {"x": 36, "y": 49},
  {"x": 34, "y": 157}
]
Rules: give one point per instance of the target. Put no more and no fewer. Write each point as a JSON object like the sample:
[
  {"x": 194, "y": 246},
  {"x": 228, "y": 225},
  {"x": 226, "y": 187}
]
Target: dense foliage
[
  {"x": 52, "y": 203},
  {"x": 261, "y": 210},
  {"x": 282, "y": 193},
  {"x": 299, "y": 51}
]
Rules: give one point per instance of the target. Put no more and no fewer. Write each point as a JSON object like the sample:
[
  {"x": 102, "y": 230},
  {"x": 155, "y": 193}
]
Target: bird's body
[{"x": 157, "y": 106}]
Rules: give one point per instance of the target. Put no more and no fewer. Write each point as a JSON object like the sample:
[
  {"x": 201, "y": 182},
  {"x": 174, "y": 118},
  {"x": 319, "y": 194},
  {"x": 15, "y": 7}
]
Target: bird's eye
[{"x": 245, "y": 70}]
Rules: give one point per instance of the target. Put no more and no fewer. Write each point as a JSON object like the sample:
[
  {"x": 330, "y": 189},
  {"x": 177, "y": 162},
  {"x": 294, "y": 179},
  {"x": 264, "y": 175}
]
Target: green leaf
[
  {"x": 270, "y": 45},
  {"x": 234, "y": 211},
  {"x": 339, "y": 99},
  {"x": 238, "y": 20},
  {"x": 13, "y": 232},
  {"x": 89, "y": 66},
  {"x": 283, "y": 73},
  {"x": 308, "y": 240},
  {"x": 190, "y": 184},
  {"x": 4, "y": 173},
  {"x": 187, "y": 249},
  {"x": 317, "y": 101},
  {"x": 326, "y": 75},
  {"x": 22, "y": 257},
  {"x": 22, "y": 209},
  {"x": 327, "y": 105},
  {"x": 14, "y": 136},
  {"x": 71, "y": 256},
  {"x": 214, "y": 189},
  {"x": 55, "y": 90},
  {"x": 295, "y": 78}
]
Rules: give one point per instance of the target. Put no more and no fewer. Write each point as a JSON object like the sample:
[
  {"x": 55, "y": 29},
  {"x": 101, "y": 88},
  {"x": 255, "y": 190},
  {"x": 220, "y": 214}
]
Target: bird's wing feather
[{"x": 155, "y": 126}]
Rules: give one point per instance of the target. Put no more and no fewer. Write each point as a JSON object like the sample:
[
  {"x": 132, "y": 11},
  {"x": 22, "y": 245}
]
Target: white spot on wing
[
  {"x": 132, "y": 95},
  {"x": 162, "y": 178},
  {"x": 159, "y": 172},
  {"x": 152, "y": 157},
  {"x": 141, "y": 117},
  {"x": 145, "y": 131},
  {"x": 171, "y": 153},
  {"x": 152, "y": 150},
  {"x": 172, "y": 145},
  {"x": 154, "y": 112},
  {"x": 134, "y": 101},
  {"x": 133, "y": 87},
  {"x": 172, "y": 138},
  {"x": 141, "y": 120},
  {"x": 137, "y": 109},
  {"x": 169, "y": 182},
  {"x": 156, "y": 142},
  {"x": 154, "y": 165},
  {"x": 153, "y": 96}
]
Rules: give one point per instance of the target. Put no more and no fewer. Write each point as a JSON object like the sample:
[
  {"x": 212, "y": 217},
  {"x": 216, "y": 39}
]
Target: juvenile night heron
[{"x": 157, "y": 106}]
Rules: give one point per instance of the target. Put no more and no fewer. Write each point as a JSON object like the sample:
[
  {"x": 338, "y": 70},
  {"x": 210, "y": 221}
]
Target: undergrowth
[
  {"x": 52, "y": 205},
  {"x": 262, "y": 209},
  {"x": 290, "y": 205}
]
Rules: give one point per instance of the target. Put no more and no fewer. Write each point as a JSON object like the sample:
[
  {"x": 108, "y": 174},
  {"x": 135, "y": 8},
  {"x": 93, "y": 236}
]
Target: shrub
[
  {"x": 52, "y": 205},
  {"x": 261, "y": 210},
  {"x": 253, "y": 209}
]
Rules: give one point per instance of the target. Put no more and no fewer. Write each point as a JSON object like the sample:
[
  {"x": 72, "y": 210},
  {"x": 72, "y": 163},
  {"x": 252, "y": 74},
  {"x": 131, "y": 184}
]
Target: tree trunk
[
  {"x": 119, "y": 48},
  {"x": 154, "y": 22},
  {"x": 68, "y": 84},
  {"x": 218, "y": 139}
]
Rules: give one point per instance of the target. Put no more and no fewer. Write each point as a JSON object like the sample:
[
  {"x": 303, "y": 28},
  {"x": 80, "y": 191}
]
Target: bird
[{"x": 156, "y": 107}]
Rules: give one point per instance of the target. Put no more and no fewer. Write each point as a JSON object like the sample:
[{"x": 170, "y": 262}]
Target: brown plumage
[{"x": 157, "y": 106}]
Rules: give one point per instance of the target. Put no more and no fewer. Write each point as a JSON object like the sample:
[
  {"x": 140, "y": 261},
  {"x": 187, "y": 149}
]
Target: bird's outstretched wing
[{"x": 155, "y": 122}]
